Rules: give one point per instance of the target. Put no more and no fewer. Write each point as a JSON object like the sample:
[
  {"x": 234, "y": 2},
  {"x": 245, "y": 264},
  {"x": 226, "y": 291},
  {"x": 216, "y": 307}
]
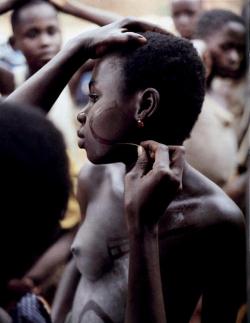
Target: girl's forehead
[
  {"x": 108, "y": 67},
  {"x": 108, "y": 76}
]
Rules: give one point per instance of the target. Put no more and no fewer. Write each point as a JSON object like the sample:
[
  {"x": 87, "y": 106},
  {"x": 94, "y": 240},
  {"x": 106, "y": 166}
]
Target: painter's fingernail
[
  {"x": 139, "y": 150},
  {"x": 142, "y": 38}
]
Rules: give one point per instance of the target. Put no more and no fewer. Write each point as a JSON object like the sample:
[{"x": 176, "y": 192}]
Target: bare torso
[{"x": 190, "y": 247}]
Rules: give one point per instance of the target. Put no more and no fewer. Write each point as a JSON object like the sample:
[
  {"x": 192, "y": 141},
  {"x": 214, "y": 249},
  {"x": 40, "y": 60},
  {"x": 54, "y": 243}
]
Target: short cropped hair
[
  {"x": 172, "y": 66},
  {"x": 35, "y": 186},
  {"x": 15, "y": 15},
  {"x": 213, "y": 20}
]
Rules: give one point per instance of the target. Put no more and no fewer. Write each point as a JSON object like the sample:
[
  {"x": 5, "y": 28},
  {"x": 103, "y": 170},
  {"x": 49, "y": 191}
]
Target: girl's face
[{"x": 109, "y": 117}]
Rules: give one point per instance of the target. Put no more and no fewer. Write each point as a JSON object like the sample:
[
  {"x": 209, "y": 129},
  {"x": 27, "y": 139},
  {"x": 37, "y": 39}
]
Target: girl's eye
[{"x": 93, "y": 97}]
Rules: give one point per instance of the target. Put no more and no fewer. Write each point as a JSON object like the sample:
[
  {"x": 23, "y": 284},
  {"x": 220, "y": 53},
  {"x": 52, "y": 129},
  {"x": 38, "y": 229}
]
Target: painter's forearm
[
  {"x": 145, "y": 299},
  {"x": 44, "y": 87},
  {"x": 6, "y": 5},
  {"x": 54, "y": 256},
  {"x": 65, "y": 293}
]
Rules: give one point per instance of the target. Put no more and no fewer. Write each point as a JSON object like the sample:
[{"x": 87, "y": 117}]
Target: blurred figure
[
  {"x": 185, "y": 14},
  {"x": 225, "y": 35},
  {"x": 12, "y": 66},
  {"x": 10, "y": 56},
  {"x": 212, "y": 146},
  {"x": 6, "y": 80},
  {"x": 35, "y": 189},
  {"x": 150, "y": 91},
  {"x": 37, "y": 34},
  {"x": 217, "y": 158},
  {"x": 245, "y": 13}
]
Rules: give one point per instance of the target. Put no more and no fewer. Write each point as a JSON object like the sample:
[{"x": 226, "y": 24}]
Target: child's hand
[{"x": 152, "y": 184}]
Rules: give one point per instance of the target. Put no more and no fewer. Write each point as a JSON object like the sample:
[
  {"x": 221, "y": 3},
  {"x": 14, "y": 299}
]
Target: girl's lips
[
  {"x": 80, "y": 134},
  {"x": 81, "y": 139},
  {"x": 81, "y": 143}
]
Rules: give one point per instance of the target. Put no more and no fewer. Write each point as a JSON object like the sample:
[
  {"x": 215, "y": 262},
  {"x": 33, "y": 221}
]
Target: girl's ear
[{"x": 148, "y": 103}]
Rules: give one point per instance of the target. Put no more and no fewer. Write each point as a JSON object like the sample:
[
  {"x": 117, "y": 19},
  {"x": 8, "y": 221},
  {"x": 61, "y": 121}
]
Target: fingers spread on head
[
  {"x": 132, "y": 37},
  {"x": 141, "y": 25},
  {"x": 124, "y": 30},
  {"x": 124, "y": 37},
  {"x": 110, "y": 43},
  {"x": 154, "y": 28}
]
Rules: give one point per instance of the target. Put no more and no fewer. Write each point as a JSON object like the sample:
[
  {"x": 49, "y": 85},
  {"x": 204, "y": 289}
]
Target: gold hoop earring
[{"x": 140, "y": 123}]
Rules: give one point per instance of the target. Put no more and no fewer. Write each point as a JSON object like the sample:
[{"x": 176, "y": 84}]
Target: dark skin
[
  {"x": 181, "y": 242},
  {"x": 144, "y": 206},
  {"x": 6, "y": 81},
  {"x": 236, "y": 189},
  {"x": 55, "y": 256},
  {"x": 78, "y": 9},
  {"x": 190, "y": 208},
  {"x": 4, "y": 317},
  {"x": 183, "y": 248},
  {"x": 7, "y": 5},
  {"x": 227, "y": 47},
  {"x": 38, "y": 36},
  {"x": 92, "y": 14},
  {"x": 185, "y": 14}
]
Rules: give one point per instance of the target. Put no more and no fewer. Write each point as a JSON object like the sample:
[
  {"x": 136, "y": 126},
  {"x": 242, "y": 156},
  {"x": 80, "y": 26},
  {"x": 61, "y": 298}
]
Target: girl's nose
[{"x": 82, "y": 116}]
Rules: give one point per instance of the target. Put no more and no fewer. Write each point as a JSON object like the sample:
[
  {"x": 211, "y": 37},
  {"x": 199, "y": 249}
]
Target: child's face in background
[
  {"x": 38, "y": 35},
  {"x": 185, "y": 14},
  {"x": 228, "y": 50}
]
